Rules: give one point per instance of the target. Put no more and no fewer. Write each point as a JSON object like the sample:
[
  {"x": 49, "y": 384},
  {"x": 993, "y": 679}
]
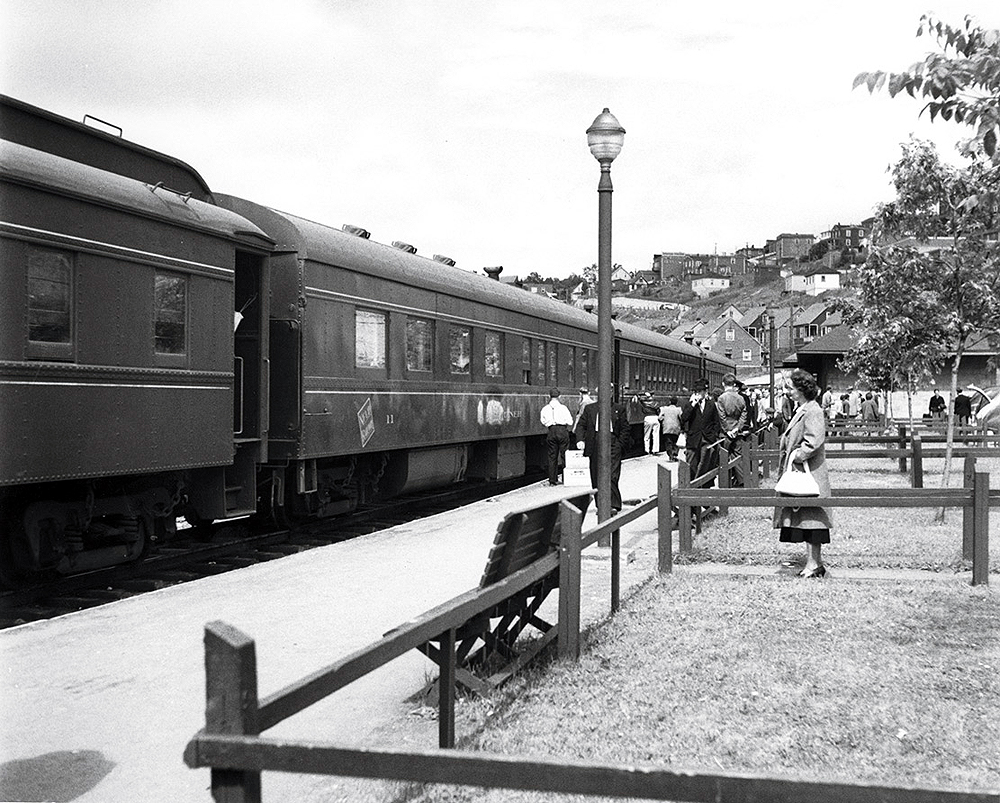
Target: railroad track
[{"x": 232, "y": 546}]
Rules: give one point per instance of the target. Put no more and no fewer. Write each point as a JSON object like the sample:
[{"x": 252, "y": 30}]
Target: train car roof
[
  {"x": 35, "y": 168},
  {"x": 37, "y": 128},
  {"x": 330, "y": 245}
]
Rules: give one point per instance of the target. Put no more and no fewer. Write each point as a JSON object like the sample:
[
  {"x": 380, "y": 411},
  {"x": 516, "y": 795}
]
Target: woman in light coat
[{"x": 804, "y": 440}]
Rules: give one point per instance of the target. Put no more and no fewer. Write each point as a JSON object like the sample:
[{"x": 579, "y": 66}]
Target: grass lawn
[
  {"x": 905, "y": 538},
  {"x": 890, "y": 682}
]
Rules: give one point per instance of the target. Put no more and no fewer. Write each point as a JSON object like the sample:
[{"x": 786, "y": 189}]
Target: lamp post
[
  {"x": 604, "y": 138},
  {"x": 770, "y": 357}
]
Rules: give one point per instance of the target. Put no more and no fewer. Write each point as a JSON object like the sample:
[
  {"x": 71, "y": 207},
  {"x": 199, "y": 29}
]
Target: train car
[
  {"x": 392, "y": 372},
  {"x": 120, "y": 405},
  {"x": 168, "y": 352}
]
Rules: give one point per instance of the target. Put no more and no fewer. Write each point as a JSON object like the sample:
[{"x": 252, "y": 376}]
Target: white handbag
[{"x": 796, "y": 483}]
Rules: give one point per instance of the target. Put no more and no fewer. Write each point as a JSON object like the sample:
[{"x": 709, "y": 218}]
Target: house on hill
[
  {"x": 644, "y": 278},
  {"x": 794, "y": 282},
  {"x": 669, "y": 265},
  {"x": 849, "y": 237},
  {"x": 833, "y": 320},
  {"x": 786, "y": 247},
  {"x": 540, "y": 289},
  {"x": 754, "y": 320},
  {"x": 806, "y": 324},
  {"x": 703, "y": 286},
  {"x": 727, "y": 337},
  {"x": 820, "y": 279}
]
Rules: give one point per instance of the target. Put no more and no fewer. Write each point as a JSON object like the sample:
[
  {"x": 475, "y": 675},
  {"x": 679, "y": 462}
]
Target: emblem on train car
[{"x": 366, "y": 422}]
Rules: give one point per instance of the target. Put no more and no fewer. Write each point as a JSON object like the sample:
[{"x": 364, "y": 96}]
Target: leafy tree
[
  {"x": 900, "y": 340},
  {"x": 817, "y": 251},
  {"x": 921, "y": 293},
  {"x": 961, "y": 82}
]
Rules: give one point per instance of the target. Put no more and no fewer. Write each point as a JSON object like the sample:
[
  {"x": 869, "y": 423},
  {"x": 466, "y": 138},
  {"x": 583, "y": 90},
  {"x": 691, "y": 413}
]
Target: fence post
[
  {"x": 683, "y": 511},
  {"x": 968, "y": 476},
  {"x": 902, "y": 445},
  {"x": 918, "y": 461},
  {"x": 664, "y": 520},
  {"x": 981, "y": 538},
  {"x": 446, "y": 690},
  {"x": 231, "y": 704},
  {"x": 570, "y": 535},
  {"x": 771, "y": 442},
  {"x": 724, "y": 477},
  {"x": 748, "y": 459}
]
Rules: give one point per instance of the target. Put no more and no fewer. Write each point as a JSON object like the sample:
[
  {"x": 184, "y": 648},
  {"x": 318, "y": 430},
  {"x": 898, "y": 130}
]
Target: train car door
[{"x": 250, "y": 381}]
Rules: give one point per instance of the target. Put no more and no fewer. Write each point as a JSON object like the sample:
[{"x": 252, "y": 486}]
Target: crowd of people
[{"x": 704, "y": 420}]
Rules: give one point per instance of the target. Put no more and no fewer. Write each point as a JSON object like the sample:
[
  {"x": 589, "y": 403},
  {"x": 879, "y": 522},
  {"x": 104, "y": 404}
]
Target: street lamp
[
  {"x": 770, "y": 357},
  {"x": 604, "y": 138}
]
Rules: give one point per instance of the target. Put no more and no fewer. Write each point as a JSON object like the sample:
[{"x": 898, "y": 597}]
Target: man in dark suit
[
  {"x": 702, "y": 428},
  {"x": 963, "y": 409},
  {"x": 586, "y": 433}
]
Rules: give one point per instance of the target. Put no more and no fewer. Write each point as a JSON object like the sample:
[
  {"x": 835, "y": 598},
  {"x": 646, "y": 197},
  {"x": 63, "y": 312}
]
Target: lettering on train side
[{"x": 366, "y": 422}]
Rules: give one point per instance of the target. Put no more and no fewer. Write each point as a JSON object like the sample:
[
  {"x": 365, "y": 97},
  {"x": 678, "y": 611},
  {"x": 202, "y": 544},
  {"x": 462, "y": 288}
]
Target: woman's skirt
[{"x": 798, "y": 535}]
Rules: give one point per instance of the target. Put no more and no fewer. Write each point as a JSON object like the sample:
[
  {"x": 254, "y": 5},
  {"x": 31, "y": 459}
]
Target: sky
[{"x": 459, "y": 126}]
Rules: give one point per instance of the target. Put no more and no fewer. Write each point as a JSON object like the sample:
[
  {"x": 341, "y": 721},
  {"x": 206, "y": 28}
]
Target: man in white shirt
[{"x": 557, "y": 418}]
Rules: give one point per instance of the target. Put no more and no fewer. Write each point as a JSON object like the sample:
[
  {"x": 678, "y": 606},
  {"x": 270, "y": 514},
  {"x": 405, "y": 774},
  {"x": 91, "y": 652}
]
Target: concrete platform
[{"x": 98, "y": 705}]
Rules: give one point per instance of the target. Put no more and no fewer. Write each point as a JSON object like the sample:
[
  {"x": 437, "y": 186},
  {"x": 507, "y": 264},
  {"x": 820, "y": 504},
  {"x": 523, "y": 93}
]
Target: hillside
[{"x": 762, "y": 289}]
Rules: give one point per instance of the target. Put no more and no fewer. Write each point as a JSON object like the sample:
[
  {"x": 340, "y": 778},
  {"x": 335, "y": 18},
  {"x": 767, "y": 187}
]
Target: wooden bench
[{"x": 486, "y": 654}]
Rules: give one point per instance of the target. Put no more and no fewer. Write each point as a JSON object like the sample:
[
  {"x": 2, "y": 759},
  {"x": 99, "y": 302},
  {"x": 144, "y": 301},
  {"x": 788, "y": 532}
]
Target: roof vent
[
  {"x": 444, "y": 260},
  {"x": 494, "y": 272},
  {"x": 357, "y": 231},
  {"x": 410, "y": 249}
]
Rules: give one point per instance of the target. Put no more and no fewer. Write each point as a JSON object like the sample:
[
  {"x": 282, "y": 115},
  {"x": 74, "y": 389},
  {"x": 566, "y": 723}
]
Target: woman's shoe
[{"x": 819, "y": 571}]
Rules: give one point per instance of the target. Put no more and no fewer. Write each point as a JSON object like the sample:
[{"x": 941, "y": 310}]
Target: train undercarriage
[
  {"x": 65, "y": 528},
  {"x": 72, "y": 527}
]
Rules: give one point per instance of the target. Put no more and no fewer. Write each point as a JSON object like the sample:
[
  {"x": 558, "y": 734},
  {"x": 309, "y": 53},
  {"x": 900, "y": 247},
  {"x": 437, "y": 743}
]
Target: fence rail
[{"x": 566, "y": 775}]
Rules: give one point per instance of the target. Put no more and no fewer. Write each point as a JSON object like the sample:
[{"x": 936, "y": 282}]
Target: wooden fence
[
  {"x": 231, "y": 744},
  {"x": 909, "y": 448},
  {"x": 975, "y": 499}
]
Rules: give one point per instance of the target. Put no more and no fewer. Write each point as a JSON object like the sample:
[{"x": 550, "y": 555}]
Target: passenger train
[{"x": 168, "y": 352}]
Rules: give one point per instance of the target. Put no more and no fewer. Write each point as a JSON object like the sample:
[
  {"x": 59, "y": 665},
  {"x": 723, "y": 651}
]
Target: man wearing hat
[
  {"x": 702, "y": 428},
  {"x": 733, "y": 417},
  {"x": 557, "y": 419}
]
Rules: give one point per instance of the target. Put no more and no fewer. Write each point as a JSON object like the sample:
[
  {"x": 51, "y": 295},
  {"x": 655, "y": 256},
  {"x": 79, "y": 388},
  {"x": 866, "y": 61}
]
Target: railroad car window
[
  {"x": 571, "y": 366},
  {"x": 553, "y": 364},
  {"x": 540, "y": 364},
  {"x": 526, "y": 361},
  {"x": 50, "y": 301},
  {"x": 170, "y": 314},
  {"x": 460, "y": 338},
  {"x": 584, "y": 368},
  {"x": 419, "y": 344},
  {"x": 369, "y": 339},
  {"x": 494, "y": 354}
]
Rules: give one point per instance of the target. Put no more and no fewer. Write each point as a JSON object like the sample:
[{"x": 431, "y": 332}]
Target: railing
[
  {"x": 910, "y": 448},
  {"x": 975, "y": 499},
  {"x": 231, "y": 745}
]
